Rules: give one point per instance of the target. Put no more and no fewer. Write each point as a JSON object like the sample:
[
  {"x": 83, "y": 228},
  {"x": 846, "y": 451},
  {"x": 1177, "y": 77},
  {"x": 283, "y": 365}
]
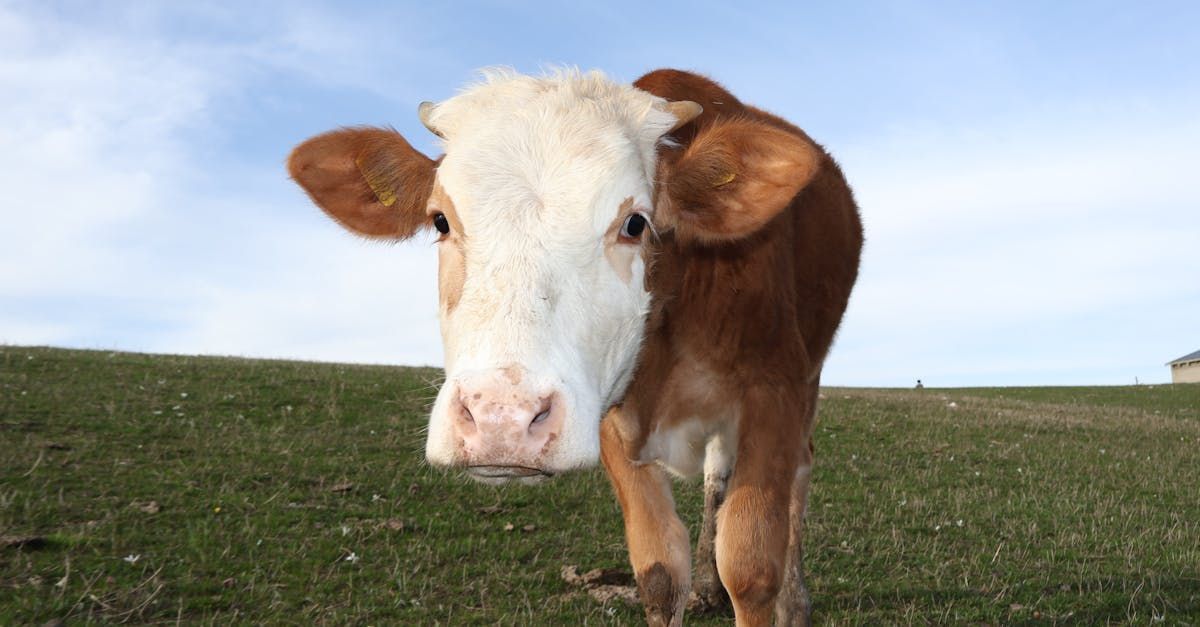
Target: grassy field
[{"x": 138, "y": 488}]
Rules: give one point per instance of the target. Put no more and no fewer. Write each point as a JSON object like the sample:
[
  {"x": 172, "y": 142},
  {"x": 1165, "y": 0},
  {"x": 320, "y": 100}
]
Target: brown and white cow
[{"x": 648, "y": 274}]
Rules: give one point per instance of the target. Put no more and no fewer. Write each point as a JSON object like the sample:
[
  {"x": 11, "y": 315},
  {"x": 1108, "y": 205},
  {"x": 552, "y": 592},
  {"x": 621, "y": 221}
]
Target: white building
[{"x": 1186, "y": 369}]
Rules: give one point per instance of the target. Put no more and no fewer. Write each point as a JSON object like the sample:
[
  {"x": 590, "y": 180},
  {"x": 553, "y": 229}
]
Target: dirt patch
[{"x": 603, "y": 584}]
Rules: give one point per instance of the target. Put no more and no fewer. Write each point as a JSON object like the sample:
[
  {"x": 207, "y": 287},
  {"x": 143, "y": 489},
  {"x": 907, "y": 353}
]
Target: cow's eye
[
  {"x": 634, "y": 225},
  {"x": 440, "y": 223}
]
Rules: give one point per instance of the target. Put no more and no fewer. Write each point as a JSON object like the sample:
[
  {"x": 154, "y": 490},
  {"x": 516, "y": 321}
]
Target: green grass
[
  {"x": 1179, "y": 401},
  {"x": 244, "y": 499}
]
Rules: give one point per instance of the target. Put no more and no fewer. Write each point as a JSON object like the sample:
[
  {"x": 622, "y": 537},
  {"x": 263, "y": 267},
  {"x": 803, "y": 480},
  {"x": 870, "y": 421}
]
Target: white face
[{"x": 543, "y": 295}]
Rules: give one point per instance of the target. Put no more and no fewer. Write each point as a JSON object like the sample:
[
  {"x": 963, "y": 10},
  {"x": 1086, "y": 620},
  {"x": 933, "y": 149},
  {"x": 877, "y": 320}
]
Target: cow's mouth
[{"x": 503, "y": 474}]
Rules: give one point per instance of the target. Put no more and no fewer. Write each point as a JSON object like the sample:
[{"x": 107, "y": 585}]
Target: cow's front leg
[
  {"x": 753, "y": 524},
  {"x": 718, "y": 461},
  {"x": 657, "y": 539}
]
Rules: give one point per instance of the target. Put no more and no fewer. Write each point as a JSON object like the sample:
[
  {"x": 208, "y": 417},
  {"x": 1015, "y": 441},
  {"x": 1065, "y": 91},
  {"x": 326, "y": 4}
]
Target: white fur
[
  {"x": 686, "y": 447},
  {"x": 719, "y": 456},
  {"x": 537, "y": 169}
]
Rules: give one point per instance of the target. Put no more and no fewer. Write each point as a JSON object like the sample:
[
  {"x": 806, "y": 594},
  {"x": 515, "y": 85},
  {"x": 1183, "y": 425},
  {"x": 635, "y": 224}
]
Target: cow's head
[{"x": 546, "y": 205}]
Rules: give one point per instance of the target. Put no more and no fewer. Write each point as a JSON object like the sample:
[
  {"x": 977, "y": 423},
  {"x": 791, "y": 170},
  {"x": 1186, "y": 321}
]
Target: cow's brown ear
[
  {"x": 370, "y": 180},
  {"x": 734, "y": 177}
]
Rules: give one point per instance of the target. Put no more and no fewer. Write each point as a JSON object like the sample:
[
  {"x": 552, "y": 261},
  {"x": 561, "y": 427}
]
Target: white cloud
[
  {"x": 1022, "y": 234},
  {"x": 119, "y": 231},
  {"x": 344, "y": 50},
  {"x": 21, "y": 330},
  {"x": 319, "y": 293},
  {"x": 90, "y": 148}
]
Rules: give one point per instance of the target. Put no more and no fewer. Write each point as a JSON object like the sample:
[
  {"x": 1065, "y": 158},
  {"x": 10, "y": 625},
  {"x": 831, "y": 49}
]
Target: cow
[{"x": 650, "y": 275}]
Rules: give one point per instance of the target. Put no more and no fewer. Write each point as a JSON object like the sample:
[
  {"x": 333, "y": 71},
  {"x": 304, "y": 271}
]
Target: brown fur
[
  {"x": 370, "y": 180},
  {"x": 657, "y": 539},
  {"x": 733, "y": 178},
  {"x": 749, "y": 283},
  {"x": 793, "y": 604}
]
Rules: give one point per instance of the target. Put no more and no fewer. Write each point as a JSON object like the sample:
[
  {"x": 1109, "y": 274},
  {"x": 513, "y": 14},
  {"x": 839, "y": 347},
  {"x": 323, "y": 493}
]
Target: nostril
[
  {"x": 543, "y": 414},
  {"x": 464, "y": 411}
]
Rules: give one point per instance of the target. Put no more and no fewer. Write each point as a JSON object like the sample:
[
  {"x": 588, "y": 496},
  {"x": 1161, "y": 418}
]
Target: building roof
[{"x": 1188, "y": 357}]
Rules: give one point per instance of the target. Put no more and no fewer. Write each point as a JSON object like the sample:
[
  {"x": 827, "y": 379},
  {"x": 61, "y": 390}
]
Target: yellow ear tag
[
  {"x": 726, "y": 179},
  {"x": 385, "y": 195}
]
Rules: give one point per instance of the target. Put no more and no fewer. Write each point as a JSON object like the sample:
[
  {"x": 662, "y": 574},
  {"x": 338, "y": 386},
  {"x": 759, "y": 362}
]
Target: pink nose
[{"x": 505, "y": 427}]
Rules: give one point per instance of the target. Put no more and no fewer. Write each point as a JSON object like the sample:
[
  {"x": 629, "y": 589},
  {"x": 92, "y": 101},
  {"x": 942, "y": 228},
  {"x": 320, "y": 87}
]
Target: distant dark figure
[{"x": 920, "y": 386}]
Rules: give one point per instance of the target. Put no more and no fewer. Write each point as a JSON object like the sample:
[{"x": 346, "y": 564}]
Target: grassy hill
[{"x": 138, "y": 488}]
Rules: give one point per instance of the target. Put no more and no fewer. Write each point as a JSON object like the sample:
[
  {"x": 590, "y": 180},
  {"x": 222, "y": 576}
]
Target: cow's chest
[
  {"x": 680, "y": 448},
  {"x": 693, "y": 409}
]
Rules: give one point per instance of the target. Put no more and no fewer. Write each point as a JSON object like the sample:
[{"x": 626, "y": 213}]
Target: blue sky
[{"x": 1026, "y": 171}]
